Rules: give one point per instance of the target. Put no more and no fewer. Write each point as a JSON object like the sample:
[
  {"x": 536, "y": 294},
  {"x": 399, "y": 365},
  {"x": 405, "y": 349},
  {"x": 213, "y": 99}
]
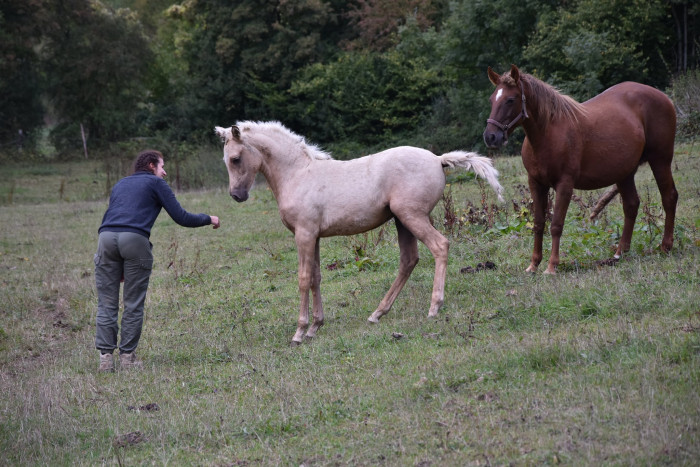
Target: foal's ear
[
  {"x": 236, "y": 132},
  {"x": 515, "y": 73},
  {"x": 222, "y": 133},
  {"x": 494, "y": 77}
]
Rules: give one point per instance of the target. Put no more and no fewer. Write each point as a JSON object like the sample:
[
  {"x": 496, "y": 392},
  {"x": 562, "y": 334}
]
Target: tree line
[{"x": 350, "y": 75}]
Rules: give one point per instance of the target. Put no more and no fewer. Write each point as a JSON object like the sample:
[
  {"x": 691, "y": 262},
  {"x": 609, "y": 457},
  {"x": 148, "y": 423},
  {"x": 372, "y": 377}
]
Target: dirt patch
[{"x": 479, "y": 267}]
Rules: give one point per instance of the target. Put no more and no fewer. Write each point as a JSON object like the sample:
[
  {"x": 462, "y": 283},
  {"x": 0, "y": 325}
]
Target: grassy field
[{"x": 599, "y": 365}]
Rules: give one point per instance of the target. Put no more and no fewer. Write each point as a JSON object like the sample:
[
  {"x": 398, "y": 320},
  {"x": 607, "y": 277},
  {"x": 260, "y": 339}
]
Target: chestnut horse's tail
[{"x": 480, "y": 165}]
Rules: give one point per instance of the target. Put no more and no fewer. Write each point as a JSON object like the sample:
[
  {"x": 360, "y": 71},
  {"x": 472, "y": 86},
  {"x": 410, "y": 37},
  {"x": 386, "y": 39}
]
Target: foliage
[
  {"x": 234, "y": 53},
  {"x": 21, "y": 25},
  {"x": 379, "y": 21},
  {"x": 171, "y": 70},
  {"x": 479, "y": 34},
  {"x": 598, "y": 43},
  {"x": 369, "y": 96},
  {"x": 686, "y": 50},
  {"x": 473, "y": 36},
  {"x": 95, "y": 64},
  {"x": 685, "y": 92}
]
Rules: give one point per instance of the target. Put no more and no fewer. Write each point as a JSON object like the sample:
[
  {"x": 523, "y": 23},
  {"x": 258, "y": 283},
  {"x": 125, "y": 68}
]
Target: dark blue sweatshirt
[{"x": 136, "y": 201}]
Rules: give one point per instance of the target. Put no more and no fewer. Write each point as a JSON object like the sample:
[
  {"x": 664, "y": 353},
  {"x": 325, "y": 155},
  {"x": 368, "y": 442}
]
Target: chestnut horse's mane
[{"x": 549, "y": 103}]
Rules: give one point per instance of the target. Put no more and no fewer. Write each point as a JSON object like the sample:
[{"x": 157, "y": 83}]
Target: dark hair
[{"x": 145, "y": 159}]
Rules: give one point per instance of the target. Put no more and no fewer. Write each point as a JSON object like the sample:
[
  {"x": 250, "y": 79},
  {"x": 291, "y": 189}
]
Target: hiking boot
[
  {"x": 128, "y": 361},
  {"x": 106, "y": 362}
]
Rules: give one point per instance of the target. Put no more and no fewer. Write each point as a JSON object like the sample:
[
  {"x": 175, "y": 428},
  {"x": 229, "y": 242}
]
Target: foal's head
[{"x": 242, "y": 162}]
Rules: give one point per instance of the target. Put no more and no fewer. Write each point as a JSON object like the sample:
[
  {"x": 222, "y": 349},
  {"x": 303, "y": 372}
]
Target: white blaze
[{"x": 499, "y": 94}]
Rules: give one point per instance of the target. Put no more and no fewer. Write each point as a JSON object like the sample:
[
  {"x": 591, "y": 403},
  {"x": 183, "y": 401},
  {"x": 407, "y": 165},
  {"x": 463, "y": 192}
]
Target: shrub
[{"x": 685, "y": 92}]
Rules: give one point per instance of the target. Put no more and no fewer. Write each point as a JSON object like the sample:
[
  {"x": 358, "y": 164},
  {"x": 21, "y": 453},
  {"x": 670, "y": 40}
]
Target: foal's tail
[{"x": 482, "y": 167}]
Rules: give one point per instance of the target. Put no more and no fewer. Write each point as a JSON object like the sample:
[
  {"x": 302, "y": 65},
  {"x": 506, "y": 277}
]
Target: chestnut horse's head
[
  {"x": 507, "y": 107},
  {"x": 242, "y": 162}
]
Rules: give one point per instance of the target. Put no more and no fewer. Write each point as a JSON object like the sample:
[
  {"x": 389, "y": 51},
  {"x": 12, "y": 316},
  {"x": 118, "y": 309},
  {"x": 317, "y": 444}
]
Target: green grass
[{"x": 597, "y": 365}]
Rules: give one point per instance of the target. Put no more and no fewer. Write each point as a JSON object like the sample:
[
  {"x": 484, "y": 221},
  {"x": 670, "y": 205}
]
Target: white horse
[{"x": 319, "y": 197}]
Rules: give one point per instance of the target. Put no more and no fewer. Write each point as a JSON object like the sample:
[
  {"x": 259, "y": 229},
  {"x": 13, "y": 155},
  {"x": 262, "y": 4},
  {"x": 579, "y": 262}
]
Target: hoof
[
  {"x": 550, "y": 272},
  {"x": 531, "y": 270},
  {"x": 374, "y": 317},
  {"x": 295, "y": 344}
]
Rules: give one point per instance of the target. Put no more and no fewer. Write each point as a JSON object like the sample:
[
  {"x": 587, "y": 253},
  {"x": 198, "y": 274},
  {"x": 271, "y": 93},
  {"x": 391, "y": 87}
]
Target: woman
[{"x": 124, "y": 253}]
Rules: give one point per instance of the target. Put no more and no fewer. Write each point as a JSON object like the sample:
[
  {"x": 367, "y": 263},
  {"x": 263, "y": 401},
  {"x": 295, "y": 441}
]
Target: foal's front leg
[
  {"x": 316, "y": 292},
  {"x": 306, "y": 246}
]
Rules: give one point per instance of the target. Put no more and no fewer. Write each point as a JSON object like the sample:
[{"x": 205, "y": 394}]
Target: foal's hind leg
[
  {"x": 630, "y": 207},
  {"x": 408, "y": 246},
  {"x": 669, "y": 199},
  {"x": 439, "y": 247}
]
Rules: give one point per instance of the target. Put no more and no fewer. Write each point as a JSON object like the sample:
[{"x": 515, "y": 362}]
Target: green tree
[
  {"x": 597, "y": 43},
  {"x": 241, "y": 58},
  {"x": 474, "y": 35},
  {"x": 366, "y": 97},
  {"x": 21, "y": 26},
  {"x": 686, "y": 24},
  {"x": 95, "y": 65},
  {"x": 479, "y": 34}
]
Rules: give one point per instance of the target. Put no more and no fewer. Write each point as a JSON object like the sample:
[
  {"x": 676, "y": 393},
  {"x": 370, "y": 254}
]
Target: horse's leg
[
  {"x": 669, "y": 198},
  {"x": 630, "y": 207},
  {"x": 408, "y": 246},
  {"x": 306, "y": 243},
  {"x": 439, "y": 247},
  {"x": 564, "y": 190},
  {"x": 539, "y": 204},
  {"x": 316, "y": 292}
]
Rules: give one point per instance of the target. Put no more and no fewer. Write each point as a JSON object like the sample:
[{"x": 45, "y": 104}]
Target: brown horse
[
  {"x": 319, "y": 197},
  {"x": 585, "y": 146}
]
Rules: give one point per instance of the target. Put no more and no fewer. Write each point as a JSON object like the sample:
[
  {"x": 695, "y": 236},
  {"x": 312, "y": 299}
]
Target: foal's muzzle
[{"x": 239, "y": 195}]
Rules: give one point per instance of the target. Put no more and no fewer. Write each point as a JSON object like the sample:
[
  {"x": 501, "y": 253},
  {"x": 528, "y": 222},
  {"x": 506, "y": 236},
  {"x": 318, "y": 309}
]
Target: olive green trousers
[{"x": 129, "y": 256}]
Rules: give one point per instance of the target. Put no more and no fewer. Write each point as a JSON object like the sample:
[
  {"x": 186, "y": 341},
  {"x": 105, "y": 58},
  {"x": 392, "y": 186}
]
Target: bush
[
  {"x": 685, "y": 92},
  {"x": 364, "y": 97}
]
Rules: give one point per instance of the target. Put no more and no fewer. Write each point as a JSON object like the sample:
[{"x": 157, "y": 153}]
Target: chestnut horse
[
  {"x": 590, "y": 145},
  {"x": 321, "y": 197}
]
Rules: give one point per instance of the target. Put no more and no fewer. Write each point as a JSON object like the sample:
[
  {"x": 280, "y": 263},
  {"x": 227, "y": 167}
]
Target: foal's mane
[
  {"x": 276, "y": 131},
  {"x": 549, "y": 102}
]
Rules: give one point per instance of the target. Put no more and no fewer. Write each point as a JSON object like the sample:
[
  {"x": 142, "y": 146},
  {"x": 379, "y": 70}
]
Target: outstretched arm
[{"x": 176, "y": 212}]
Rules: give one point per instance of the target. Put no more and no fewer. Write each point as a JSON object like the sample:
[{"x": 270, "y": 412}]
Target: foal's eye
[
  {"x": 236, "y": 161},
  {"x": 510, "y": 100}
]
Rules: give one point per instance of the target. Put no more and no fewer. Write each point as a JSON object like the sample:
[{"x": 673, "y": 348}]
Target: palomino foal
[{"x": 321, "y": 197}]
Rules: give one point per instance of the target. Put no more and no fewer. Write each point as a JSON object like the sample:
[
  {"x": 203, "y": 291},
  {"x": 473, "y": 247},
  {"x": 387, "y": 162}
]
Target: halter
[{"x": 522, "y": 114}]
